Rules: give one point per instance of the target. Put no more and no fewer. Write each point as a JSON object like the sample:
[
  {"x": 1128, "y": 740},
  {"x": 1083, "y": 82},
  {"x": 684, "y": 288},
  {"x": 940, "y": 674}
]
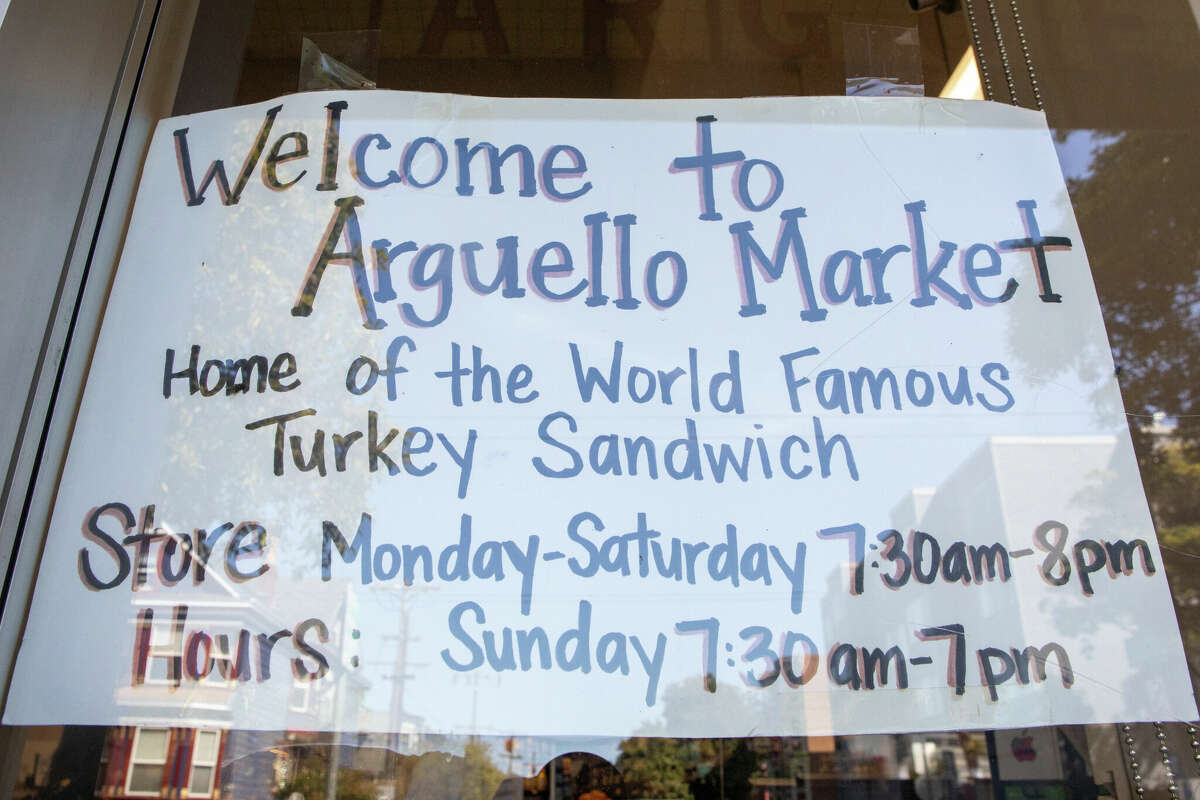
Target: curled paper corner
[{"x": 319, "y": 70}]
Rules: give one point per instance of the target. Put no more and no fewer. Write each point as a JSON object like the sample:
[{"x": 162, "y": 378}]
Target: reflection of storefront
[{"x": 1041, "y": 763}]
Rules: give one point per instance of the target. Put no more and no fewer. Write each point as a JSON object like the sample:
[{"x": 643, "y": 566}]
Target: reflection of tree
[
  {"x": 1143, "y": 238},
  {"x": 653, "y": 767},
  {"x": 1142, "y": 231},
  {"x": 471, "y": 776},
  {"x": 248, "y": 280},
  {"x": 733, "y": 762},
  {"x": 702, "y": 769},
  {"x": 1173, "y": 484},
  {"x": 310, "y": 781},
  {"x": 242, "y": 266}
]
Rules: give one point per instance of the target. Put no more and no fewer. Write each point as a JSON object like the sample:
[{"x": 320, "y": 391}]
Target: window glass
[
  {"x": 148, "y": 764},
  {"x": 201, "y": 783},
  {"x": 151, "y": 745},
  {"x": 204, "y": 759},
  {"x": 205, "y": 749},
  {"x": 1127, "y": 147},
  {"x": 145, "y": 778}
]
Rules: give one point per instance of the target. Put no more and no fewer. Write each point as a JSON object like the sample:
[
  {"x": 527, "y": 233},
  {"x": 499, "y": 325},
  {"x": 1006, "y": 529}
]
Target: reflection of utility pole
[
  {"x": 474, "y": 707},
  {"x": 721, "y": 744},
  {"x": 550, "y": 771},
  {"x": 335, "y": 750},
  {"x": 510, "y": 744},
  {"x": 401, "y": 675},
  {"x": 335, "y": 763}
]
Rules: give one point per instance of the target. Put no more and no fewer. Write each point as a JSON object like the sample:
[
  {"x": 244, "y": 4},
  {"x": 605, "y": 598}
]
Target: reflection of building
[
  {"x": 1001, "y": 492},
  {"x": 1005, "y": 474},
  {"x": 996, "y": 495},
  {"x": 160, "y": 762},
  {"x": 231, "y": 628},
  {"x": 159, "y": 759}
]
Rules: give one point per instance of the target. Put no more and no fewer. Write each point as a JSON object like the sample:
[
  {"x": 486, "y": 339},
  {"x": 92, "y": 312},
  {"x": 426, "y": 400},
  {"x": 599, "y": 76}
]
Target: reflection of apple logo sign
[{"x": 1022, "y": 748}]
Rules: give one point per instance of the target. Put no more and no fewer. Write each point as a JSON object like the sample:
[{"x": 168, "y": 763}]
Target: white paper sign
[{"x": 687, "y": 418}]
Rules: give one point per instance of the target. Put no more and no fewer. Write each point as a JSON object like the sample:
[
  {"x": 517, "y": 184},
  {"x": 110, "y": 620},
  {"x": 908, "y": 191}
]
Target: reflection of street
[{"x": 1041, "y": 763}]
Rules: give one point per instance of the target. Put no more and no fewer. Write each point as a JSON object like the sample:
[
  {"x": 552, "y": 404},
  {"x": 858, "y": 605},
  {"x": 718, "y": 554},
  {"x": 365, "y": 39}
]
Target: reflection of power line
[{"x": 401, "y": 675}]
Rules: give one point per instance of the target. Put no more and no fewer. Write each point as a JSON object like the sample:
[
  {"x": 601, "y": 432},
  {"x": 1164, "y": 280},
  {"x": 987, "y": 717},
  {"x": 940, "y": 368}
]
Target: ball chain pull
[
  {"x": 980, "y": 61},
  {"x": 1135, "y": 768},
  {"x": 1008, "y": 76},
  {"x": 1165, "y": 753},
  {"x": 1033, "y": 81},
  {"x": 1193, "y": 733}
]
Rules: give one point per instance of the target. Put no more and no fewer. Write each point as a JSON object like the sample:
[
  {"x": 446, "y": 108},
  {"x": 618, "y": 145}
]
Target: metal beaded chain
[
  {"x": 1008, "y": 76},
  {"x": 1134, "y": 767},
  {"x": 1037, "y": 93},
  {"x": 979, "y": 60},
  {"x": 1165, "y": 753}
]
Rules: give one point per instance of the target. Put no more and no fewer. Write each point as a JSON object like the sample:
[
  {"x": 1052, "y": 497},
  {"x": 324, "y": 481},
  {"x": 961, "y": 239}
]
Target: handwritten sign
[{"x": 421, "y": 412}]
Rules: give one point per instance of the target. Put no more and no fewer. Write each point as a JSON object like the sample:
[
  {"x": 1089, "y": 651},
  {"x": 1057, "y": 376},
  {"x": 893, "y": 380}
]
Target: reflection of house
[
  {"x": 231, "y": 625},
  {"x": 160, "y": 762},
  {"x": 160, "y": 759},
  {"x": 143, "y": 762}
]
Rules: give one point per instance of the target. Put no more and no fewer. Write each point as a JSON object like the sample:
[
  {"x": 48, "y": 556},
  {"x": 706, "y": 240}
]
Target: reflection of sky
[{"x": 1078, "y": 151}]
